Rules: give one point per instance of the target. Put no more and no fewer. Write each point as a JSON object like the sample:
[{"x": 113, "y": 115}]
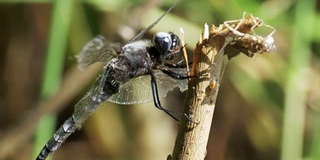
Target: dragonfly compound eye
[
  {"x": 167, "y": 44},
  {"x": 162, "y": 42},
  {"x": 175, "y": 42}
]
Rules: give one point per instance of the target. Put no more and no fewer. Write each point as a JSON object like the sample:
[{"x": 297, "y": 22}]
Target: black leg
[
  {"x": 100, "y": 93},
  {"x": 158, "y": 104},
  {"x": 175, "y": 75},
  {"x": 156, "y": 99}
]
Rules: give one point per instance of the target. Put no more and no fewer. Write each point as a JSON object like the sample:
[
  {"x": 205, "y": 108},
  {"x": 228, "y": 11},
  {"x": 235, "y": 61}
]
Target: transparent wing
[
  {"x": 97, "y": 50},
  {"x": 138, "y": 90}
]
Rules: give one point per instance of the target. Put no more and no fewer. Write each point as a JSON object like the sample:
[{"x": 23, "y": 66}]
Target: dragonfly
[{"x": 128, "y": 70}]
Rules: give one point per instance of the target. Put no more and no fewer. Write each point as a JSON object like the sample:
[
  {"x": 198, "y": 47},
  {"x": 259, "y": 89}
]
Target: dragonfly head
[{"x": 167, "y": 44}]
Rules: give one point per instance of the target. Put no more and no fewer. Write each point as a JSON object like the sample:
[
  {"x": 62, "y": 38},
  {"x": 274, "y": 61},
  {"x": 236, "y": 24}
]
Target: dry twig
[{"x": 230, "y": 38}]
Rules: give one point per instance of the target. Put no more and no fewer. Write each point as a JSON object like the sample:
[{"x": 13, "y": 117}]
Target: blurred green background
[{"x": 268, "y": 105}]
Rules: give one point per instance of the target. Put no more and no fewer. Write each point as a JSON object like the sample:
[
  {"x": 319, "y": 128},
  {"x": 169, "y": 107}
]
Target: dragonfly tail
[{"x": 65, "y": 130}]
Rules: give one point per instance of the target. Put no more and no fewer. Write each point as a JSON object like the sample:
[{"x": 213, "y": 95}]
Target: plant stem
[{"x": 193, "y": 136}]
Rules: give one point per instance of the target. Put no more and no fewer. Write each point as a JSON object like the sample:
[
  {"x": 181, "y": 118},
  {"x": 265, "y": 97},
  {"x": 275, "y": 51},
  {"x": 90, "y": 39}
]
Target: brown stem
[{"x": 192, "y": 137}]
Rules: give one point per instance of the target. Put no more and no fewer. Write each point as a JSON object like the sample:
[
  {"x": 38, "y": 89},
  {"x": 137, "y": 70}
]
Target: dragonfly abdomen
[{"x": 58, "y": 138}]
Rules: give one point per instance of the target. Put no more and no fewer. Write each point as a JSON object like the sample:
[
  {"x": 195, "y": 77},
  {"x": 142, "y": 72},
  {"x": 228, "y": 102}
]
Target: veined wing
[
  {"x": 97, "y": 50},
  {"x": 138, "y": 90}
]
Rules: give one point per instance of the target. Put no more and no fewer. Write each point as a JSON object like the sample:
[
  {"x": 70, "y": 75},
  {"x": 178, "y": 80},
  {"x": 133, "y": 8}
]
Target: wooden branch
[
  {"x": 230, "y": 39},
  {"x": 201, "y": 97}
]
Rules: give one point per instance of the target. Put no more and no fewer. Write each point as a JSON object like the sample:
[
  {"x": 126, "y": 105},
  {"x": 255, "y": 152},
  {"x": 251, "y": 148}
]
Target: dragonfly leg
[
  {"x": 175, "y": 75},
  {"x": 156, "y": 99},
  {"x": 158, "y": 104}
]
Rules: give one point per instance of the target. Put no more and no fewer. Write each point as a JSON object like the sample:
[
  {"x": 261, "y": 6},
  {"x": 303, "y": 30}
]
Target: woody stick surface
[
  {"x": 230, "y": 39},
  {"x": 192, "y": 137}
]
